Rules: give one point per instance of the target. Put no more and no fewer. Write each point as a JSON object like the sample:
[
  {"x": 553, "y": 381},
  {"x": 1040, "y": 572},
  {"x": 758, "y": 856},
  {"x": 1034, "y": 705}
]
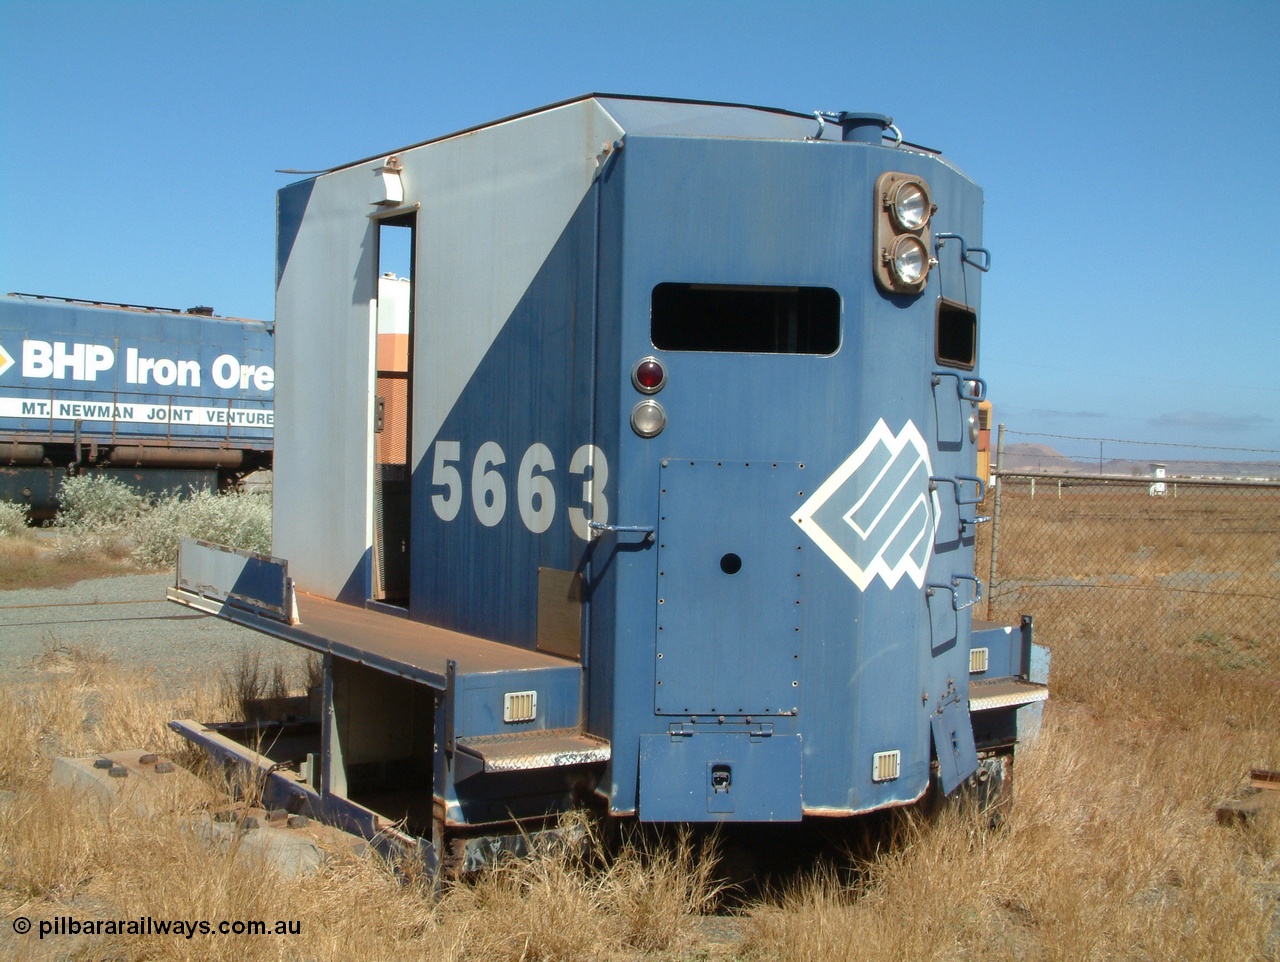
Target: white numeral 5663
[{"x": 535, "y": 490}]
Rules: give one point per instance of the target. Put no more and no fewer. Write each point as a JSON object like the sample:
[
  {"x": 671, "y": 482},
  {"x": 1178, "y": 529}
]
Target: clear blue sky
[{"x": 1130, "y": 154}]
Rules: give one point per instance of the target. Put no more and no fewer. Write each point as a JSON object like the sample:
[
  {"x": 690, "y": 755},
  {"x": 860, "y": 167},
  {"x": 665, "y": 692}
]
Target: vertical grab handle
[
  {"x": 955, "y": 594},
  {"x": 969, "y": 388},
  {"x": 966, "y": 252},
  {"x": 955, "y": 482}
]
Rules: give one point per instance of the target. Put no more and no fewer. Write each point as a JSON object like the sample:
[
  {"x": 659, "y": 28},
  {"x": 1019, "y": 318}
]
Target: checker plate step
[
  {"x": 993, "y": 693},
  {"x": 526, "y": 751}
]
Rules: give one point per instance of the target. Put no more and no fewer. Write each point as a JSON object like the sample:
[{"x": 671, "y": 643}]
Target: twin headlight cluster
[{"x": 903, "y": 256}]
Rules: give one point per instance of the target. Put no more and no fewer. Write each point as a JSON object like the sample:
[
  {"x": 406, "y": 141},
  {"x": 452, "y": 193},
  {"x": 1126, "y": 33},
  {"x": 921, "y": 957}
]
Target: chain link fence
[{"x": 1141, "y": 588}]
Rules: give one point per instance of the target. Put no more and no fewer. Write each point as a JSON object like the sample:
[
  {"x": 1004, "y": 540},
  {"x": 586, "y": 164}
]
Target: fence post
[{"x": 995, "y": 525}]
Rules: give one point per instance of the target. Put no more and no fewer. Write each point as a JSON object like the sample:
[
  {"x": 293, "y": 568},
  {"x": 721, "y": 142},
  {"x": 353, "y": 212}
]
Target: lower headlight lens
[
  {"x": 910, "y": 261},
  {"x": 648, "y": 419}
]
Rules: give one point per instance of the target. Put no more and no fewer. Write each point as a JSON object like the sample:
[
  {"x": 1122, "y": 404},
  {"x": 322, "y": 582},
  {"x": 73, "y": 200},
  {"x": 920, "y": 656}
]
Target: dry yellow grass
[
  {"x": 1149, "y": 604},
  {"x": 28, "y": 560},
  {"x": 60, "y": 858},
  {"x": 1111, "y": 851}
]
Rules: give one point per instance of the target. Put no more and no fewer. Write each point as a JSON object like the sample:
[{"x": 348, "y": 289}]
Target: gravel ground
[{"x": 129, "y": 620}]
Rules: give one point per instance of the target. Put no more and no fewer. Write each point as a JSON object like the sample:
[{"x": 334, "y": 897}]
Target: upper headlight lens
[
  {"x": 910, "y": 205},
  {"x": 910, "y": 261}
]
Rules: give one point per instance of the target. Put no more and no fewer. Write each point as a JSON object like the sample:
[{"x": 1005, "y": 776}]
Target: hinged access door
[{"x": 730, "y": 588}]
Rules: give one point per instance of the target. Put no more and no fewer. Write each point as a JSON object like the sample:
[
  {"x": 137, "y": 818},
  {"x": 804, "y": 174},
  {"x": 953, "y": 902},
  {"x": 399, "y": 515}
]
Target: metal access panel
[
  {"x": 954, "y": 745},
  {"x": 714, "y": 776},
  {"x": 730, "y": 588}
]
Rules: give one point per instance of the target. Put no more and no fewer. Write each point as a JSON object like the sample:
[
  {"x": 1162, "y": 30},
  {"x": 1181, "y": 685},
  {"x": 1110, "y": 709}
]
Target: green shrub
[
  {"x": 97, "y": 513},
  {"x": 234, "y": 519},
  {"x": 97, "y": 501},
  {"x": 13, "y": 519},
  {"x": 103, "y": 516}
]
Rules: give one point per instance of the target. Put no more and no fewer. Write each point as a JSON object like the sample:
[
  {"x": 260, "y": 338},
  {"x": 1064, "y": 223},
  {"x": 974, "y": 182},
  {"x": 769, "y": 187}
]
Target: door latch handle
[{"x": 644, "y": 529}]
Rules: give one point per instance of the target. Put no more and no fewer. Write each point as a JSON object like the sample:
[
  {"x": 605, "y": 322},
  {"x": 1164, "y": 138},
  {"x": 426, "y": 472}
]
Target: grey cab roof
[{"x": 666, "y": 116}]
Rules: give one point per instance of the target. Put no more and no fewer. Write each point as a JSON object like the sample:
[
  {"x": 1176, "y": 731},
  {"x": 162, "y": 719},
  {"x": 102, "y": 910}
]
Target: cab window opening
[
  {"x": 745, "y": 319},
  {"x": 956, "y": 343}
]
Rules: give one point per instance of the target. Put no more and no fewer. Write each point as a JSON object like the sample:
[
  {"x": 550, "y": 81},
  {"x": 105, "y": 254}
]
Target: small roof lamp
[{"x": 388, "y": 191}]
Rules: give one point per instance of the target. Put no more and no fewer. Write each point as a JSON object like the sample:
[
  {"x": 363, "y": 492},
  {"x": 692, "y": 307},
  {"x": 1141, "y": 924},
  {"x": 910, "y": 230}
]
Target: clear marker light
[{"x": 648, "y": 419}]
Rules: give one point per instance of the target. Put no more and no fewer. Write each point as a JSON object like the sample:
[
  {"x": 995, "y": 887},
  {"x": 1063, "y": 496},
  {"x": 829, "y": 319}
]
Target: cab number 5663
[{"x": 534, "y": 483}]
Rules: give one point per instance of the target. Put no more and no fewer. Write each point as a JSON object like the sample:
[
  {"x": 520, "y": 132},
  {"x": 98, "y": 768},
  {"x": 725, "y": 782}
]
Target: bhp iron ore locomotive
[{"x": 157, "y": 398}]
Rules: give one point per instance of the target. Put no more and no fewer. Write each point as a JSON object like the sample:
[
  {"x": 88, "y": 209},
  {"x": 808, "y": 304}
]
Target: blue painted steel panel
[
  {"x": 533, "y": 387},
  {"x": 291, "y": 208},
  {"x": 729, "y": 588},
  {"x": 1004, "y": 651},
  {"x": 728, "y": 212},
  {"x": 642, "y": 117},
  {"x": 953, "y": 743},
  {"x": 713, "y": 776},
  {"x": 241, "y": 578},
  {"x": 134, "y": 375},
  {"x": 478, "y": 700}
]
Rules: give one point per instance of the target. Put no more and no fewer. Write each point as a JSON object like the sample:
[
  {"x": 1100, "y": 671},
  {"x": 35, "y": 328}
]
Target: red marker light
[{"x": 648, "y": 375}]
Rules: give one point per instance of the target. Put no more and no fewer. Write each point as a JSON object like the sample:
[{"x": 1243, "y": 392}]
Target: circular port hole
[{"x": 731, "y": 564}]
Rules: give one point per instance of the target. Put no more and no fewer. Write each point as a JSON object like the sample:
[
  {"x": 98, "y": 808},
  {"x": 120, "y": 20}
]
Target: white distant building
[{"x": 1158, "y": 487}]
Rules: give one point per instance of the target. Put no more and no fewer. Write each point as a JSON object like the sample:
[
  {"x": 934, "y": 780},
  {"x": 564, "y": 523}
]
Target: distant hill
[{"x": 1042, "y": 459}]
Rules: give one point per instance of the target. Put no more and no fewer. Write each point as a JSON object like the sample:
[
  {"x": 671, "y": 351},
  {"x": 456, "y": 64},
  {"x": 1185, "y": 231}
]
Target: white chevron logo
[
  {"x": 876, "y": 515},
  {"x": 6, "y": 361}
]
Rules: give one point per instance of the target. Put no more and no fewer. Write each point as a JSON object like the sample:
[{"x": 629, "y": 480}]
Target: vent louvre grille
[
  {"x": 886, "y": 766},
  {"x": 519, "y": 706},
  {"x": 979, "y": 659}
]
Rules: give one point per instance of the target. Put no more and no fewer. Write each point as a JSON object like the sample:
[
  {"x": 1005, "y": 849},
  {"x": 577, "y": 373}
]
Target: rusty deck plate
[{"x": 386, "y": 642}]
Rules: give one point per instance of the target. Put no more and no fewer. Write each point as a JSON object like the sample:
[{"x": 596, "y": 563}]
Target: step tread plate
[{"x": 525, "y": 751}]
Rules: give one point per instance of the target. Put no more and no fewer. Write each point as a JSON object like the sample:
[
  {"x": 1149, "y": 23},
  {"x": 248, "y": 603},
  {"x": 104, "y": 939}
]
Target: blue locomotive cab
[{"x": 658, "y": 495}]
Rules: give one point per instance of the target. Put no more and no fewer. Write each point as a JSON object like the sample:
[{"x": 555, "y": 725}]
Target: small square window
[{"x": 956, "y": 344}]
